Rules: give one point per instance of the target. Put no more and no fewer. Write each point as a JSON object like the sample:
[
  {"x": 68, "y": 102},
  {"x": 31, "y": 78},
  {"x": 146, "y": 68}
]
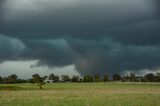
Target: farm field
[{"x": 81, "y": 94}]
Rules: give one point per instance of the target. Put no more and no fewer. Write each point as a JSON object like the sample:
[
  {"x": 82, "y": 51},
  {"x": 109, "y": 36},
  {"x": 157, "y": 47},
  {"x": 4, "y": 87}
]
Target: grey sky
[{"x": 95, "y": 36}]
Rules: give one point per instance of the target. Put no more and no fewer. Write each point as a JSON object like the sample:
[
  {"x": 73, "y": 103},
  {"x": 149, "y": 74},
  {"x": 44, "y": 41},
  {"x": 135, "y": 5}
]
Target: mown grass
[{"x": 81, "y": 94}]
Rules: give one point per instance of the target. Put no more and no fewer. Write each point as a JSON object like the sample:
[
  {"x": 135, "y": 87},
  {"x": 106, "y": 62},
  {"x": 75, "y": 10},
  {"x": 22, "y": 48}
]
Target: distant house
[{"x": 47, "y": 80}]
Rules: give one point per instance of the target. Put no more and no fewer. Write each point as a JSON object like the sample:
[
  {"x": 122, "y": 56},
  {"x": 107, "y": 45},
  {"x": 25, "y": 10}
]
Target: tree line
[{"x": 36, "y": 78}]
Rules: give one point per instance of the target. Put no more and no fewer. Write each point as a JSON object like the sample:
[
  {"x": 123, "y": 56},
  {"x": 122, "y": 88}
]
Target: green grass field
[{"x": 81, "y": 94}]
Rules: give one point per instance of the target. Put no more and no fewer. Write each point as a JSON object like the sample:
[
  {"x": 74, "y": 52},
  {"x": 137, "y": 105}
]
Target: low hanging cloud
[
  {"x": 95, "y": 36},
  {"x": 108, "y": 56},
  {"x": 88, "y": 56},
  {"x": 10, "y": 48}
]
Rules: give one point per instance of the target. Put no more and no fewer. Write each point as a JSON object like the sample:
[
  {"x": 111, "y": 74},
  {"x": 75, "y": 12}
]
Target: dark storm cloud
[
  {"x": 140, "y": 33},
  {"x": 49, "y": 52},
  {"x": 112, "y": 18},
  {"x": 97, "y": 36},
  {"x": 1, "y": 11},
  {"x": 110, "y": 56},
  {"x": 89, "y": 56},
  {"x": 157, "y": 3},
  {"x": 10, "y": 48}
]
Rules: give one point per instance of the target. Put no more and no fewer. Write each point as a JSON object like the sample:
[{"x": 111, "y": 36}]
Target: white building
[{"x": 47, "y": 80}]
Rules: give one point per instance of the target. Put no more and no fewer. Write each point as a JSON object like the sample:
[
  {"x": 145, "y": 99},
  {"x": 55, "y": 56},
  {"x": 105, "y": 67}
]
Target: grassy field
[{"x": 81, "y": 94}]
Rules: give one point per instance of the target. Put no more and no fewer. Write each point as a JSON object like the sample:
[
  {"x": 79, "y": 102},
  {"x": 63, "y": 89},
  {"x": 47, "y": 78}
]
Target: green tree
[
  {"x": 51, "y": 76},
  {"x": 21, "y": 81},
  {"x": 65, "y": 78},
  {"x": 75, "y": 78},
  {"x": 116, "y": 77},
  {"x": 132, "y": 76},
  {"x": 45, "y": 77},
  {"x": 126, "y": 78},
  {"x": 39, "y": 80},
  {"x": 87, "y": 78},
  {"x": 1, "y": 80},
  {"x": 56, "y": 78},
  {"x": 157, "y": 77},
  {"x": 105, "y": 78},
  {"x": 31, "y": 80},
  {"x": 97, "y": 78},
  {"x": 150, "y": 77},
  {"x": 11, "y": 79},
  {"x": 158, "y": 74}
]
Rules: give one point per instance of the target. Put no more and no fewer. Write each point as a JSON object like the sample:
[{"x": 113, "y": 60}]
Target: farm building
[{"x": 47, "y": 80}]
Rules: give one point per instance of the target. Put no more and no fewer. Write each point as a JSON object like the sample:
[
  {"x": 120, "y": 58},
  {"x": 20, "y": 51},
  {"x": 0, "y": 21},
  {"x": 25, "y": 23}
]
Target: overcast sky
[{"x": 79, "y": 36}]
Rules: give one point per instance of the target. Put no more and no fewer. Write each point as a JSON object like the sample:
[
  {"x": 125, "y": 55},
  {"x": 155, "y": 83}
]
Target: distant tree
[
  {"x": 31, "y": 80},
  {"x": 132, "y": 76},
  {"x": 39, "y": 80},
  {"x": 105, "y": 78},
  {"x": 51, "y": 76},
  {"x": 65, "y": 78},
  {"x": 157, "y": 79},
  {"x": 116, "y": 77},
  {"x": 150, "y": 77},
  {"x": 56, "y": 78},
  {"x": 87, "y": 78},
  {"x": 143, "y": 79},
  {"x": 21, "y": 81},
  {"x": 5, "y": 80},
  {"x": 158, "y": 74},
  {"x": 45, "y": 77},
  {"x": 75, "y": 78},
  {"x": 11, "y": 79},
  {"x": 125, "y": 78},
  {"x": 81, "y": 79},
  {"x": 1, "y": 80},
  {"x": 97, "y": 78}
]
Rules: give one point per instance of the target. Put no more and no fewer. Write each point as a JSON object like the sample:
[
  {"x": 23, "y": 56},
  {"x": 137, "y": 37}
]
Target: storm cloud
[{"x": 104, "y": 36}]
